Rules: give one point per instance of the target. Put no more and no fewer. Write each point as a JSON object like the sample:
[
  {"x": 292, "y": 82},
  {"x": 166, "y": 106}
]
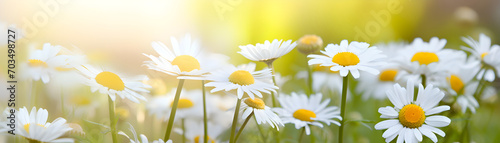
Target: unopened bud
[{"x": 309, "y": 44}]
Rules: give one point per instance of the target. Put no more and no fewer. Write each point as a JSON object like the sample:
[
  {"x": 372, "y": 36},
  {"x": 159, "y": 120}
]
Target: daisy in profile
[
  {"x": 243, "y": 79},
  {"x": 487, "y": 53},
  {"x": 34, "y": 126},
  {"x": 190, "y": 105},
  {"x": 267, "y": 52},
  {"x": 410, "y": 119},
  {"x": 349, "y": 58},
  {"x": 263, "y": 114},
  {"x": 427, "y": 60},
  {"x": 185, "y": 60},
  {"x": 143, "y": 138},
  {"x": 460, "y": 83},
  {"x": 110, "y": 83},
  {"x": 42, "y": 64},
  {"x": 303, "y": 111}
]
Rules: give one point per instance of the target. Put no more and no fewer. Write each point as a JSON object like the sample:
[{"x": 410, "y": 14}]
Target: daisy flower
[
  {"x": 144, "y": 139},
  {"x": 303, "y": 111},
  {"x": 244, "y": 79},
  {"x": 376, "y": 85},
  {"x": 426, "y": 58},
  {"x": 42, "y": 64},
  {"x": 487, "y": 53},
  {"x": 410, "y": 119},
  {"x": 309, "y": 44},
  {"x": 263, "y": 114},
  {"x": 189, "y": 106},
  {"x": 185, "y": 60},
  {"x": 267, "y": 52},
  {"x": 349, "y": 58},
  {"x": 195, "y": 134},
  {"x": 110, "y": 83},
  {"x": 34, "y": 126}
]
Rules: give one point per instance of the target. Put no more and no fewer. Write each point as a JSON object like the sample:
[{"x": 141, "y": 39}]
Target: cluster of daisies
[{"x": 421, "y": 79}]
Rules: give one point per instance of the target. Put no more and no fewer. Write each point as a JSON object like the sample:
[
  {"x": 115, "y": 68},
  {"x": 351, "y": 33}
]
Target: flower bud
[{"x": 309, "y": 44}]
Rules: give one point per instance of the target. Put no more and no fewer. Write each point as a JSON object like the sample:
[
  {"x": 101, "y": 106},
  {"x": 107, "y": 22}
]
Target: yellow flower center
[
  {"x": 80, "y": 100},
  {"x": 255, "y": 103},
  {"x": 62, "y": 69},
  {"x": 412, "y": 116},
  {"x": 122, "y": 112},
  {"x": 36, "y": 63},
  {"x": 309, "y": 39},
  {"x": 241, "y": 77},
  {"x": 186, "y": 63},
  {"x": 456, "y": 83},
  {"x": 197, "y": 139},
  {"x": 27, "y": 127},
  {"x": 345, "y": 59},
  {"x": 183, "y": 103},
  {"x": 304, "y": 115},
  {"x": 110, "y": 80},
  {"x": 483, "y": 54},
  {"x": 425, "y": 58},
  {"x": 388, "y": 75}
]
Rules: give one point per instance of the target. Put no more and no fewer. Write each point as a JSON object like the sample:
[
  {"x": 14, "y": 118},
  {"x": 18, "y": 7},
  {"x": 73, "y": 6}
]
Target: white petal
[{"x": 438, "y": 121}]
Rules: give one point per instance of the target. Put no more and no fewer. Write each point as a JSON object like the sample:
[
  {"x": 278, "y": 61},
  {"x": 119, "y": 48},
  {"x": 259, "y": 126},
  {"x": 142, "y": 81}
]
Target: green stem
[
  {"x": 270, "y": 66},
  {"x": 205, "y": 128},
  {"x": 33, "y": 93},
  {"x": 174, "y": 109},
  {"x": 62, "y": 101},
  {"x": 342, "y": 108},
  {"x": 260, "y": 131},
  {"x": 301, "y": 134},
  {"x": 465, "y": 136},
  {"x": 112, "y": 120},
  {"x": 243, "y": 126},
  {"x": 479, "y": 86},
  {"x": 183, "y": 131},
  {"x": 235, "y": 121},
  {"x": 424, "y": 80}
]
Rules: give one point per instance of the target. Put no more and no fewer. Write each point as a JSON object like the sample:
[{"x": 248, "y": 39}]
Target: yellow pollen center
[
  {"x": 255, "y": 103},
  {"x": 309, "y": 39},
  {"x": 197, "y": 139},
  {"x": 36, "y": 63},
  {"x": 110, "y": 80},
  {"x": 345, "y": 59},
  {"x": 304, "y": 115},
  {"x": 186, "y": 63},
  {"x": 80, "y": 100},
  {"x": 456, "y": 83},
  {"x": 183, "y": 103},
  {"x": 412, "y": 116},
  {"x": 27, "y": 127},
  {"x": 388, "y": 75},
  {"x": 483, "y": 54},
  {"x": 62, "y": 69},
  {"x": 425, "y": 58},
  {"x": 241, "y": 77}
]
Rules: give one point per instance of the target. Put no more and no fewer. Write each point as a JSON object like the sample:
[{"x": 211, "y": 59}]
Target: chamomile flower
[
  {"x": 34, "y": 126},
  {"x": 303, "y": 111},
  {"x": 267, "y": 52},
  {"x": 110, "y": 83},
  {"x": 410, "y": 119},
  {"x": 376, "y": 85},
  {"x": 195, "y": 133},
  {"x": 185, "y": 61},
  {"x": 426, "y": 58},
  {"x": 42, "y": 64},
  {"x": 263, "y": 114},
  {"x": 243, "y": 79},
  {"x": 190, "y": 105},
  {"x": 487, "y": 53},
  {"x": 349, "y": 58},
  {"x": 143, "y": 137}
]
